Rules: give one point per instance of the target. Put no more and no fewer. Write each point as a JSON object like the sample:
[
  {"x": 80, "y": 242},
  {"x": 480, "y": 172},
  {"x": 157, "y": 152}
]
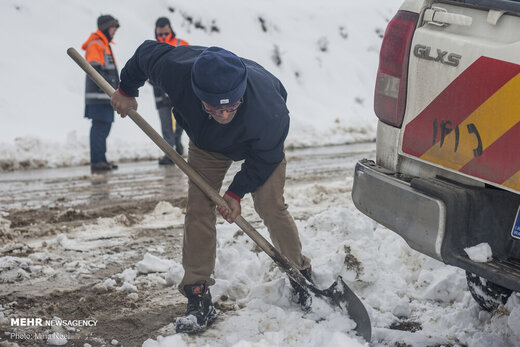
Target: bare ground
[{"x": 73, "y": 294}]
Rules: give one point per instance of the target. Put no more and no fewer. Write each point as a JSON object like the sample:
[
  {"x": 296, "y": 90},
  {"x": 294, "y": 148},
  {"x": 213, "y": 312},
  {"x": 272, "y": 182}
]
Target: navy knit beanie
[{"x": 218, "y": 77}]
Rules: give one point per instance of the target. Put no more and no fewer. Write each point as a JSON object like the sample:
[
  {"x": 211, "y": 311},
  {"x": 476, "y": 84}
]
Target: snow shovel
[{"x": 338, "y": 294}]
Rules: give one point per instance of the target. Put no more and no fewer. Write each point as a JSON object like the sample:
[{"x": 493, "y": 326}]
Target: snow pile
[
  {"x": 33, "y": 152},
  {"x": 109, "y": 283},
  {"x": 91, "y": 241},
  {"x": 163, "y": 215},
  {"x": 151, "y": 263},
  {"x": 128, "y": 275},
  {"x": 8, "y": 263},
  {"x": 105, "y": 232},
  {"x": 40, "y": 256},
  {"x": 325, "y": 53},
  {"x": 267, "y": 314},
  {"x": 513, "y": 321},
  {"x": 263, "y": 298},
  {"x": 175, "y": 274},
  {"x": 399, "y": 287},
  {"x": 159, "y": 271},
  {"x": 14, "y": 268},
  {"x": 127, "y": 287},
  {"x": 163, "y": 208},
  {"x": 480, "y": 253},
  {"x": 443, "y": 284}
]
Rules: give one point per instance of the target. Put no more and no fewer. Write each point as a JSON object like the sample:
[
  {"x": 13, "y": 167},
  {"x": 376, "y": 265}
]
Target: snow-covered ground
[
  {"x": 412, "y": 300},
  {"x": 325, "y": 53}
]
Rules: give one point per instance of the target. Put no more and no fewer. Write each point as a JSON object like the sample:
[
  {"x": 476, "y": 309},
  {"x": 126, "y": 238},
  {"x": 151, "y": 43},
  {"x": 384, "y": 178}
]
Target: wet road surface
[{"x": 62, "y": 188}]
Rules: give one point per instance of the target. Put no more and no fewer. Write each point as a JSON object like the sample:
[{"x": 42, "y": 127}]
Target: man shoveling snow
[{"x": 232, "y": 109}]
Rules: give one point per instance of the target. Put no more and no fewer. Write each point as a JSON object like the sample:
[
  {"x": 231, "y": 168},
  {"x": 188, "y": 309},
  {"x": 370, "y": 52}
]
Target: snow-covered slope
[{"x": 325, "y": 52}]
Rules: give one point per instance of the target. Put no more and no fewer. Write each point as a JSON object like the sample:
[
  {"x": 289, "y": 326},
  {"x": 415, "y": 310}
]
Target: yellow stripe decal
[
  {"x": 513, "y": 182},
  {"x": 487, "y": 123}
]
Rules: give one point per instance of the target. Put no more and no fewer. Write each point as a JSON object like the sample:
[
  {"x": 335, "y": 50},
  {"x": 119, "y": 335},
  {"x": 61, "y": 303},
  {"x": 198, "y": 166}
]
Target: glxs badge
[{"x": 444, "y": 57}]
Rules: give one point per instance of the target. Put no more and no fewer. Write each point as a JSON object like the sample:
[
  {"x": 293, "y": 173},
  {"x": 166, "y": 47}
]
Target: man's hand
[
  {"x": 121, "y": 104},
  {"x": 234, "y": 205}
]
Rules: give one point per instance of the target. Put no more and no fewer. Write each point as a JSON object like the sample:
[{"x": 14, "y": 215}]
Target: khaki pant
[{"x": 199, "y": 247}]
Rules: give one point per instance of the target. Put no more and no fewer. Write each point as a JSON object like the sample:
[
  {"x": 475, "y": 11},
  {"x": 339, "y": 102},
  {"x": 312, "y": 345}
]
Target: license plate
[{"x": 516, "y": 227}]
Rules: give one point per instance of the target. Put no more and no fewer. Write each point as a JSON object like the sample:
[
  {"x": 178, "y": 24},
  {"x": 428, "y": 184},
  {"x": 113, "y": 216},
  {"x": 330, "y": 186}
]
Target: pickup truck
[{"x": 446, "y": 176}]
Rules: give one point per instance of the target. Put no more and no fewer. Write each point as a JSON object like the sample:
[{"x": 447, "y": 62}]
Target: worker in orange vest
[
  {"x": 97, "y": 104},
  {"x": 171, "y": 131}
]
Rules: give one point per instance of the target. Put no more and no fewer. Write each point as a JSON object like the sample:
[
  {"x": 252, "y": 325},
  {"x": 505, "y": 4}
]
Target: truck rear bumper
[
  {"x": 440, "y": 218},
  {"x": 391, "y": 201}
]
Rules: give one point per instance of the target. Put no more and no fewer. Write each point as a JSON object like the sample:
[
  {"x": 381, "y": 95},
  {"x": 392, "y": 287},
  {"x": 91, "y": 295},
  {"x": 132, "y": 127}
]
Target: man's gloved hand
[
  {"x": 121, "y": 103},
  {"x": 235, "y": 208}
]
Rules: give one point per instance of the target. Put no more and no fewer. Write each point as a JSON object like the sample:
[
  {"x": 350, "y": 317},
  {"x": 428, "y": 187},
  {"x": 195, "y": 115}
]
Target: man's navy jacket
[{"x": 257, "y": 132}]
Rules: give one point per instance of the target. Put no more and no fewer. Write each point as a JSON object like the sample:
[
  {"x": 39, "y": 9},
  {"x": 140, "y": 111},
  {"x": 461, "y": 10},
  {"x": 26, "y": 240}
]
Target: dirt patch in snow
[
  {"x": 129, "y": 320},
  {"x": 27, "y": 224}
]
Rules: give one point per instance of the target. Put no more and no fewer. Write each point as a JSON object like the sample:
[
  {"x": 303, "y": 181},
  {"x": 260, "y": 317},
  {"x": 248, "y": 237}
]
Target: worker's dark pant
[
  {"x": 199, "y": 247},
  {"x": 98, "y": 140},
  {"x": 102, "y": 116},
  {"x": 171, "y": 131}
]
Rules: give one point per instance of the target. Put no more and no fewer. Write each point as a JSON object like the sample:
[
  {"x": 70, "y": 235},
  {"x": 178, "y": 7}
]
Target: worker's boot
[
  {"x": 301, "y": 294},
  {"x": 200, "y": 312},
  {"x": 165, "y": 160}
]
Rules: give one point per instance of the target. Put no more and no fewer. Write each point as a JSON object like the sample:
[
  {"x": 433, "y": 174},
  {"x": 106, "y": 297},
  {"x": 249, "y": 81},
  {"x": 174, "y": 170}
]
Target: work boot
[
  {"x": 100, "y": 167},
  {"x": 165, "y": 161},
  {"x": 113, "y": 166},
  {"x": 301, "y": 294},
  {"x": 200, "y": 312}
]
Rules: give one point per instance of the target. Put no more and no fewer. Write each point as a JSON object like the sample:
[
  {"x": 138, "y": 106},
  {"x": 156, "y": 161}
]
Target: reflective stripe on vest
[{"x": 108, "y": 59}]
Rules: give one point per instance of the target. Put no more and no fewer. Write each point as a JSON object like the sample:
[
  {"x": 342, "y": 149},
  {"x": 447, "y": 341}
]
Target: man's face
[
  {"x": 112, "y": 31},
  {"x": 222, "y": 114},
  {"x": 162, "y": 32},
  {"x": 225, "y": 117}
]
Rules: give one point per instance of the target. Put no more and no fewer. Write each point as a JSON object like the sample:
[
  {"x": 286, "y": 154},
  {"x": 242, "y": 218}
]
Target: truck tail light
[{"x": 392, "y": 74}]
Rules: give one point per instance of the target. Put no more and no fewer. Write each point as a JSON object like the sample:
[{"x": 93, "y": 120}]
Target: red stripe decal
[
  {"x": 455, "y": 103},
  {"x": 500, "y": 160}
]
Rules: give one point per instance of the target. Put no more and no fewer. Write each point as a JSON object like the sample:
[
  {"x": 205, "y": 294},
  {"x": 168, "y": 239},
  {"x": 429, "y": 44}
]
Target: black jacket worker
[{"x": 232, "y": 109}]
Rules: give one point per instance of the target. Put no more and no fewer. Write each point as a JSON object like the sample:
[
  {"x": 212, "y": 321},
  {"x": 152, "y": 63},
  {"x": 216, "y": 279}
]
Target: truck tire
[{"x": 487, "y": 294}]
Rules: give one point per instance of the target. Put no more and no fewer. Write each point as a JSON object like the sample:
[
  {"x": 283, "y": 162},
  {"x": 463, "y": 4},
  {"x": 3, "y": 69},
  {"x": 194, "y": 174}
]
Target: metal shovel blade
[{"x": 339, "y": 294}]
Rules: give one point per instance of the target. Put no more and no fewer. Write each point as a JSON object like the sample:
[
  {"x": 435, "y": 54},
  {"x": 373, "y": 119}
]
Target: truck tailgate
[{"x": 463, "y": 104}]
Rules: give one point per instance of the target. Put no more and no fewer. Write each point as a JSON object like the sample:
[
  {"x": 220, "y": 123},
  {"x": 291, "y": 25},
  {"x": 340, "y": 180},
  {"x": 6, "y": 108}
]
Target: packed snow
[
  {"x": 480, "y": 253},
  {"x": 397, "y": 285},
  {"x": 410, "y": 298},
  {"x": 326, "y": 55}
]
